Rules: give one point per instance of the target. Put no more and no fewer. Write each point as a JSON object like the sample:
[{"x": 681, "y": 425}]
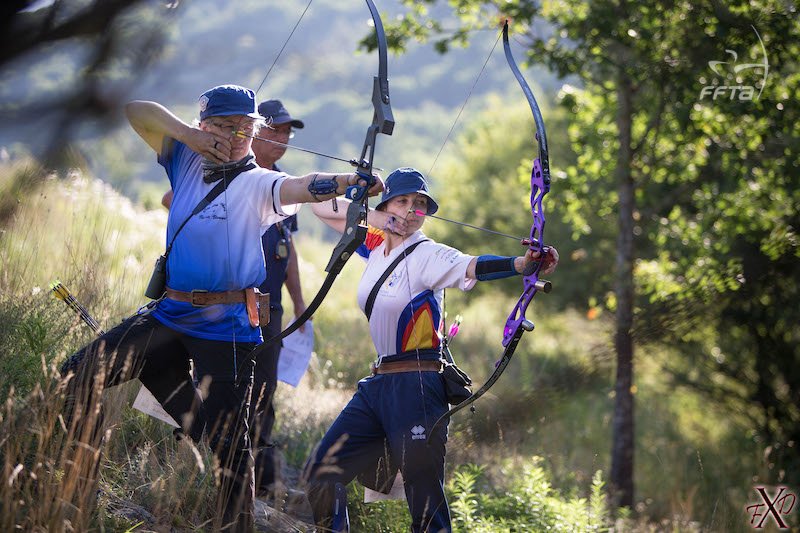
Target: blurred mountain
[{"x": 320, "y": 75}]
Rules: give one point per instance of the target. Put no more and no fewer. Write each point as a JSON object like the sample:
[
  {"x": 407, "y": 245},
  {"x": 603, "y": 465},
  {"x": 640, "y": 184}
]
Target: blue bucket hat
[
  {"x": 407, "y": 180},
  {"x": 275, "y": 113},
  {"x": 226, "y": 100}
]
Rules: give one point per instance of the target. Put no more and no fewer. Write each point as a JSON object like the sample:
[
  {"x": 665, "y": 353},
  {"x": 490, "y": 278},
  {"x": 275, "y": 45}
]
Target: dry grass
[{"x": 50, "y": 466}]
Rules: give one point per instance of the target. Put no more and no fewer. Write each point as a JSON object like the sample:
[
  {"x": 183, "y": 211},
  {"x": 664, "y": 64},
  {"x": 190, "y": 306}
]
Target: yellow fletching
[{"x": 59, "y": 290}]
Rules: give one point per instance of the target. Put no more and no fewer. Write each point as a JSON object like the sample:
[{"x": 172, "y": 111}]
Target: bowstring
[
  {"x": 286, "y": 42},
  {"x": 464, "y": 105},
  {"x": 230, "y": 276},
  {"x": 405, "y": 266},
  {"x": 227, "y": 228},
  {"x": 414, "y": 328}
]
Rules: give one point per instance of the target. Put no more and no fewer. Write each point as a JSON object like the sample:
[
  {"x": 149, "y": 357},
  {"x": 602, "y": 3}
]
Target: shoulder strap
[
  {"x": 374, "y": 293},
  {"x": 210, "y": 197}
]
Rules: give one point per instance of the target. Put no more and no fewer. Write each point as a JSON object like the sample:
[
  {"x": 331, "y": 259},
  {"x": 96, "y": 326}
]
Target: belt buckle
[{"x": 195, "y": 292}]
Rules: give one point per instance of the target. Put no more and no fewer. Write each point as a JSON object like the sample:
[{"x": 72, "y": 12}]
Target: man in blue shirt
[{"x": 208, "y": 313}]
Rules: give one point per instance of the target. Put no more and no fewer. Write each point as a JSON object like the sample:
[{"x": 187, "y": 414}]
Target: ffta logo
[
  {"x": 730, "y": 74},
  {"x": 772, "y": 507}
]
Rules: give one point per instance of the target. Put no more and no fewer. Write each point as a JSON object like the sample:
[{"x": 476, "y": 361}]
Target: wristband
[
  {"x": 322, "y": 186},
  {"x": 491, "y": 267}
]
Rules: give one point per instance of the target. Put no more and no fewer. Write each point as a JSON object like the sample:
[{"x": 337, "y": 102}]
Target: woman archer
[{"x": 392, "y": 411}]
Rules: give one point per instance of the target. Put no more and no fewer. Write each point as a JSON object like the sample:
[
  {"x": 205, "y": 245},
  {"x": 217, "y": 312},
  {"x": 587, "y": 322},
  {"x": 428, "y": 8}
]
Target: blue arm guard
[
  {"x": 490, "y": 267},
  {"x": 322, "y": 186}
]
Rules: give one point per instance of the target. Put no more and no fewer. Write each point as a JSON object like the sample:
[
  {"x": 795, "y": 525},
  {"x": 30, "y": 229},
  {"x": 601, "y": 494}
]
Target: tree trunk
[{"x": 623, "y": 440}]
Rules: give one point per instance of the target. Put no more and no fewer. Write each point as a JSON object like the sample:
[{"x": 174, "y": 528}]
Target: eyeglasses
[
  {"x": 248, "y": 128},
  {"x": 281, "y": 132}
]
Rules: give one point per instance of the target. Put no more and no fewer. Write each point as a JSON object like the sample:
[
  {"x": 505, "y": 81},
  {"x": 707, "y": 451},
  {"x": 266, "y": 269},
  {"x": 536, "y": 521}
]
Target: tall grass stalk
[{"x": 50, "y": 466}]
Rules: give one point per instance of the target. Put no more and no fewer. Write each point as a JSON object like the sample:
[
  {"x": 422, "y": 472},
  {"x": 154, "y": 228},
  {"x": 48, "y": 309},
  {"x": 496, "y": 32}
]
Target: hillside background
[{"x": 322, "y": 76}]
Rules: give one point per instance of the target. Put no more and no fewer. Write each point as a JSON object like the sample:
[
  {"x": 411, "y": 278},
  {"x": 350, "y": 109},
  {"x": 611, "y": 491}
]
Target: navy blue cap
[
  {"x": 407, "y": 180},
  {"x": 226, "y": 100},
  {"x": 275, "y": 113}
]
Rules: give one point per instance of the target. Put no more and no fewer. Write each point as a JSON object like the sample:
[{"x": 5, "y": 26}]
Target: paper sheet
[
  {"x": 398, "y": 492},
  {"x": 147, "y": 403},
  {"x": 296, "y": 355}
]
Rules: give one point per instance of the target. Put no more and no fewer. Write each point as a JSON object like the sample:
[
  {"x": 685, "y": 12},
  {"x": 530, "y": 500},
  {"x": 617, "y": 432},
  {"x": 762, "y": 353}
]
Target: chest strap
[{"x": 374, "y": 292}]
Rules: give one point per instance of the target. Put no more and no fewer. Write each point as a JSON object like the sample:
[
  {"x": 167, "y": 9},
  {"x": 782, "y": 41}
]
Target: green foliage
[
  {"x": 525, "y": 502},
  {"x": 464, "y": 508},
  {"x": 715, "y": 182},
  {"x": 383, "y": 517},
  {"x": 522, "y": 500},
  {"x": 28, "y": 343},
  {"x": 83, "y": 233}
]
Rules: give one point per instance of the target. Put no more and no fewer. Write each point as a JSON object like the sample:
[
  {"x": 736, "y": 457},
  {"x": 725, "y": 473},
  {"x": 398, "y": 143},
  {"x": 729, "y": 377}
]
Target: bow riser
[
  {"x": 539, "y": 188},
  {"x": 356, "y": 229},
  {"x": 354, "y": 234}
]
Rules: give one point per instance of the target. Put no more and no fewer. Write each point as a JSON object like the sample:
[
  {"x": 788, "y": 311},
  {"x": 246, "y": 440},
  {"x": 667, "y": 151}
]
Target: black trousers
[
  {"x": 142, "y": 347},
  {"x": 262, "y": 419}
]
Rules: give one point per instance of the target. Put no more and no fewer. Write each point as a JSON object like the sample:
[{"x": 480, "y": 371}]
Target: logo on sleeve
[{"x": 418, "y": 433}]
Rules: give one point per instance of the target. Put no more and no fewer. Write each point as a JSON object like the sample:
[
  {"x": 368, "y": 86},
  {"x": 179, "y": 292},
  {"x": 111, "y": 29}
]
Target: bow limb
[
  {"x": 540, "y": 186},
  {"x": 517, "y": 323},
  {"x": 355, "y": 231}
]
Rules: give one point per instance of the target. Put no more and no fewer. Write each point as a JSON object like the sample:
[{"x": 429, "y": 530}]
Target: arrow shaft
[
  {"x": 524, "y": 242},
  {"x": 351, "y": 162},
  {"x": 63, "y": 294}
]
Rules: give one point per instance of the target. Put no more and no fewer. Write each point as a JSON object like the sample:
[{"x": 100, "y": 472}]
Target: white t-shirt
[{"x": 407, "y": 310}]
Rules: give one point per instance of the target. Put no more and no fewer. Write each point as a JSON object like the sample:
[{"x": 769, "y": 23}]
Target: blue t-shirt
[
  {"x": 219, "y": 248},
  {"x": 276, "y": 264}
]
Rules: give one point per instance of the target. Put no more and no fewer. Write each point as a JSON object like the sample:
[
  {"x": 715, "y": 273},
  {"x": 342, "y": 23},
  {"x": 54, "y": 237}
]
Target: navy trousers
[{"x": 389, "y": 418}]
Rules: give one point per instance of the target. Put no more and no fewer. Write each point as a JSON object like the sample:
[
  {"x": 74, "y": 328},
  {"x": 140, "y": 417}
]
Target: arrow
[{"x": 522, "y": 241}]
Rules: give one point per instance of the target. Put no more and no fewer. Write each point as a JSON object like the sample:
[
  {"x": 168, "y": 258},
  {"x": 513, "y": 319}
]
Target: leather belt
[
  {"x": 406, "y": 366},
  {"x": 257, "y": 304},
  {"x": 201, "y": 298}
]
